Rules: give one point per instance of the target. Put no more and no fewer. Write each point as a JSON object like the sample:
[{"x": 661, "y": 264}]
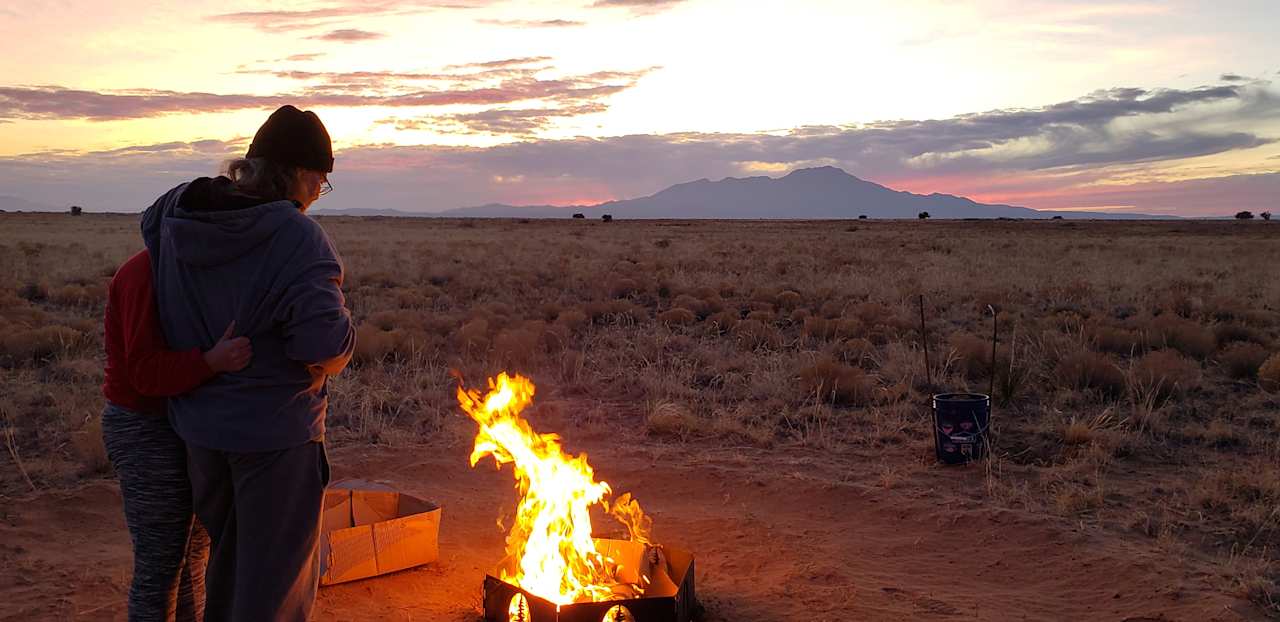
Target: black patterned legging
[{"x": 170, "y": 548}]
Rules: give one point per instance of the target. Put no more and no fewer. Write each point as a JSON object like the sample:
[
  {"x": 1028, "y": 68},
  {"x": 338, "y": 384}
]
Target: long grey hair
[{"x": 261, "y": 177}]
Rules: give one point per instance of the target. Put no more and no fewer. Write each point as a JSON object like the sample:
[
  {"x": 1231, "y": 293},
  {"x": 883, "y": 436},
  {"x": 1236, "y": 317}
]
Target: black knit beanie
[{"x": 295, "y": 138}]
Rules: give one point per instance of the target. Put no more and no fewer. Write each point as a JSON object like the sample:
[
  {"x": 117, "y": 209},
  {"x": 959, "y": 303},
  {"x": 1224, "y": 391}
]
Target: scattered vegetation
[{"x": 1129, "y": 353}]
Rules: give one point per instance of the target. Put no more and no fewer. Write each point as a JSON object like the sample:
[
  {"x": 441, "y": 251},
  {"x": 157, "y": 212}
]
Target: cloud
[
  {"x": 348, "y": 35},
  {"x": 515, "y": 122},
  {"x": 304, "y": 57},
  {"x": 503, "y": 63},
  {"x": 634, "y": 3},
  {"x": 1232, "y": 77},
  {"x": 638, "y": 6},
  {"x": 530, "y": 23},
  {"x": 289, "y": 20},
  {"x": 1084, "y": 152},
  {"x": 353, "y": 89}
]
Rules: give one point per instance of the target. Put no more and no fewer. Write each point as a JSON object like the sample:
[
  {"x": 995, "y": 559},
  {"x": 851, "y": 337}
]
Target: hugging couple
[{"x": 220, "y": 338}]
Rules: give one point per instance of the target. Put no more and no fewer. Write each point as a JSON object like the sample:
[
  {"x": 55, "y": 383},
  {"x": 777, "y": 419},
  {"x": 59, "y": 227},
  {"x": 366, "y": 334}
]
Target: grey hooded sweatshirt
[{"x": 220, "y": 256}]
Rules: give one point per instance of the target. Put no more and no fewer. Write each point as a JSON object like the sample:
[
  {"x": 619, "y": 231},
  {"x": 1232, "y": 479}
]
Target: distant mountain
[
  {"x": 322, "y": 211},
  {"x": 812, "y": 193},
  {"x": 18, "y": 204}
]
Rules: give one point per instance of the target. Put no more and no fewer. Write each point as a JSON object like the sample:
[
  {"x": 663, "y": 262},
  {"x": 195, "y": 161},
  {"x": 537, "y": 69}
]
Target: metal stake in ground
[{"x": 924, "y": 339}]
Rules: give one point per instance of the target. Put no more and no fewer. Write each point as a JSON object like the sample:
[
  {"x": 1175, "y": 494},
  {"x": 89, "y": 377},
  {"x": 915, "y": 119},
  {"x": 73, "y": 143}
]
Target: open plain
[{"x": 761, "y": 388}]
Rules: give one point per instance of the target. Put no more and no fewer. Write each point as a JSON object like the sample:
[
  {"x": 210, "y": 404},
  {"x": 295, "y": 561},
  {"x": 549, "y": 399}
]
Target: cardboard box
[
  {"x": 371, "y": 529},
  {"x": 669, "y": 599}
]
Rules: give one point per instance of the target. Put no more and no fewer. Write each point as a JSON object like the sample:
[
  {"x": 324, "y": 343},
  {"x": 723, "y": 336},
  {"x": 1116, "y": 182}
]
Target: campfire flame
[{"x": 550, "y": 541}]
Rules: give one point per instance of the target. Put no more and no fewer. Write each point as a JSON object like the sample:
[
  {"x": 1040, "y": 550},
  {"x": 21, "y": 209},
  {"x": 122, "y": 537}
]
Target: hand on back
[{"x": 230, "y": 353}]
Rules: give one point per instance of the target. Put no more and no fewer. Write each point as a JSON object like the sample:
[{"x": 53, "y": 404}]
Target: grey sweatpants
[
  {"x": 262, "y": 511},
  {"x": 169, "y": 547}
]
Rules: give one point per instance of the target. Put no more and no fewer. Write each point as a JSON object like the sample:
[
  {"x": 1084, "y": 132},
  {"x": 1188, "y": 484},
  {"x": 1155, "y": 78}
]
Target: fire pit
[
  {"x": 555, "y": 570},
  {"x": 669, "y": 596}
]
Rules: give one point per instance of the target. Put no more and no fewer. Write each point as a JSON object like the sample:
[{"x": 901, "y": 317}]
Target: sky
[{"x": 1168, "y": 107}]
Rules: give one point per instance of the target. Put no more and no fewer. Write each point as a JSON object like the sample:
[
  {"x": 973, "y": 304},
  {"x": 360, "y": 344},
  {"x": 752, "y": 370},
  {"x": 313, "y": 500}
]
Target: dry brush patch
[{"x": 774, "y": 334}]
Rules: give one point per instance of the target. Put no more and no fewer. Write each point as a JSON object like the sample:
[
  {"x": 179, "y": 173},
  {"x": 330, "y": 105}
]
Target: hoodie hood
[{"x": 208, "y": 223}]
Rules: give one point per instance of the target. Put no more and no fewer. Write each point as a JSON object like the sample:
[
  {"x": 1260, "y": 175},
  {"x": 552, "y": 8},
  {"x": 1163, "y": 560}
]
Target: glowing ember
[{"x": 550, "y": 541}]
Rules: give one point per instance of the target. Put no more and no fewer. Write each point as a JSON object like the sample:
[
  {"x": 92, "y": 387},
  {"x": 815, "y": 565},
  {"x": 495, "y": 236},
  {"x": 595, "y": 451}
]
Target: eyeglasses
[{"x": 325, "y": 187}]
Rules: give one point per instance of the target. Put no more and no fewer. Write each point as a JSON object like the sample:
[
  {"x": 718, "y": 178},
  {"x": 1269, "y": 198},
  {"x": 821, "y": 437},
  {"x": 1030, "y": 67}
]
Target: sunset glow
[{"x": 1047, "y": 104}]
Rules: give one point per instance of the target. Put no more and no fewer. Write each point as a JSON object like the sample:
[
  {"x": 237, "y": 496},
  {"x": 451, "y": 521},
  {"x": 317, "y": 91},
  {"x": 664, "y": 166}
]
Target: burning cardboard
[
  {"x": 668, "y": 597},
  {"x": 555, "y": 569},
  {"x": 371, "y": 529}
]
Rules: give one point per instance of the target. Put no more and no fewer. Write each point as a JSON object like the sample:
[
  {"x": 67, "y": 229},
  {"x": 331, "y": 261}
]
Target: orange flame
[{"x": 550, "y": 541}]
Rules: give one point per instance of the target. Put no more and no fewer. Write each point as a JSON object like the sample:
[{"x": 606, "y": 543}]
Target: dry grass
[{"x": 770, "y": 334}]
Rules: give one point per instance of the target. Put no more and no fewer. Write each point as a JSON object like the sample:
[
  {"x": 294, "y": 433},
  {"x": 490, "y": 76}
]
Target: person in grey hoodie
[{"x": 239, "y": 248}]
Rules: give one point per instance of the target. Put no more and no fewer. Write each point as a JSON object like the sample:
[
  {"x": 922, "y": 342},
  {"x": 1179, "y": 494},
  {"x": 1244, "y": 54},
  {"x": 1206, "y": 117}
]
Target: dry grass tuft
[
  {"x": 1163, "y": 374},
  {"x": 754, "y": 334},
  {"x": 1116, "y": 340},
  {"x": 36, "y": 344},
  {"x": 1269, "y": 373},
  {"x": 1228, "y": 333},
  {"x": 836, "y": 383},
  {"x": 1183, "y": 335},
  {"x": 671, "y": 419},
  {"x": 1242, "y": 360},
  {"x": 818, "y": 329},
  {"x": 722, "y": 322},
  {"x": 1088, "y": 370},
  {"x": 677, "y": 317}
]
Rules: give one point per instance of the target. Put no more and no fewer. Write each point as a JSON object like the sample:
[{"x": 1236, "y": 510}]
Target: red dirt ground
[{"x": 776, "y": 538}]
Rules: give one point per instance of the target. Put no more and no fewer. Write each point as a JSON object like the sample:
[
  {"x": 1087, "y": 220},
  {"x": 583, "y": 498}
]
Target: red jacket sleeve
[{"x": 154, "y": 369}]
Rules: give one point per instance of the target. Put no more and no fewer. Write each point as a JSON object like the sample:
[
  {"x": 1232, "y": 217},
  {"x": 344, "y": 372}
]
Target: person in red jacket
[{"x": 170, "y": 548}]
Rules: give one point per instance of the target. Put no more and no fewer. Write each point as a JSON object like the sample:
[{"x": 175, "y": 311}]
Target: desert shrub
[
  {"x": 473, "y": 335},
  {"x": 34, "y": 292},
  {"x": 1261, "y": 318},
  {"x": 1085, "y": 369},
  {"x": 834, "y": 382},
  {"x": 38, "y": 343},
  {"x": 788, "y": 300},
  {"x": 722, "y": 322},
  {"x": 832, "y": 309},
  {"x": 973, "y": 355},
  {"x": 374, "y": 344},
  {"x": 572, "y": 319},
  {"x": 76, "y": 296},
  {"x": 677, "y": 317},
  {"x": 71, "y": 370},
  {"x": 755, "y": 334},
  {"x": 873, "y": 313},
  {"x": 1163, "y": 374},
  {"x": 671, "y": 419},
  {"x": 89, "y": 449},
  {"x": 848, "y": 328},
  {"x": 1185, "y": 336},
  {"x": 1116, "y": 340},
  {"x": 764, "y": 296},
  {"x": 857, "y": 351},
  {"x": 517, "y": 346},
  {"x": 1229, "y": 332},
  {"x": 764, "y": 317},
  {"x": 1269, "y": 373},
  {"x": 555, "y": 337},
  {"x": 697, "y": 305},
  {"x": 817, "y": 328},
  {"x": 549, "y": 311},
  {"x": 393, "y": 319},
  {"x": 623, "y": 287},
  {"x": 1242, "y": 360}
]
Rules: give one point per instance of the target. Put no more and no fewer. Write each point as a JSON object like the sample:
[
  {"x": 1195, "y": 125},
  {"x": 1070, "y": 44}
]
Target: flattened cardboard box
[{"x": 371, "y": 529}]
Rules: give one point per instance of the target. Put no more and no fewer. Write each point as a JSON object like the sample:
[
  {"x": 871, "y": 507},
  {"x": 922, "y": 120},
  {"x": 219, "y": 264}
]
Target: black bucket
[{"x": 960, "y": 425}]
